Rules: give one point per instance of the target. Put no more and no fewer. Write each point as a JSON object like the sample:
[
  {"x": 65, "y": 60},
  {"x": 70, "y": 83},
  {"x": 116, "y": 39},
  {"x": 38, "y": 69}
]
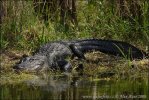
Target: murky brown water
[{"x": 74, "y": 88}]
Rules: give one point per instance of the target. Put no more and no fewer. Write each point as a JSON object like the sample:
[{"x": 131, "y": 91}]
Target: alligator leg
[
  {"x": 76, "y": 51},
  {"x": 64, "y": 65}
]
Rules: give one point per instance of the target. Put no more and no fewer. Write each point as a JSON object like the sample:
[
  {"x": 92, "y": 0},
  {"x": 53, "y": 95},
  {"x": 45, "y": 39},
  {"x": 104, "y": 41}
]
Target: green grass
[{"x": 22, "y": 29}]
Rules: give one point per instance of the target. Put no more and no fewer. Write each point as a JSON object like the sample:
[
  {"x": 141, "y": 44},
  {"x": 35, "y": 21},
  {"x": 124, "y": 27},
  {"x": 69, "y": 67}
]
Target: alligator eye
[
  {"x": 23, "y": 60},
  {"x": 31, "y": 60}
]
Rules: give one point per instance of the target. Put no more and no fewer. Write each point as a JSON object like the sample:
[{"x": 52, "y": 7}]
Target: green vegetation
[{"x": 22, "y": 28}]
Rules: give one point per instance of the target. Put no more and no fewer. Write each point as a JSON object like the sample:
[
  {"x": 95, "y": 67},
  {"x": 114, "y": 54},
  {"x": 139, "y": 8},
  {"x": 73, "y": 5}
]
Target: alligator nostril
[{"x": 15, "y": 67}]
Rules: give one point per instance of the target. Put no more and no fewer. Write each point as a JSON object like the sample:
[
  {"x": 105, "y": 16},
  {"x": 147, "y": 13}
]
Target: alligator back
[{"x": 58, "y": 47}]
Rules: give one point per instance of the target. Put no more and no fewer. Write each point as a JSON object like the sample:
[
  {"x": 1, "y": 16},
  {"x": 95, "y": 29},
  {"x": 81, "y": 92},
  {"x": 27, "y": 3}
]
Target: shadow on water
[{"x": 74, "y": 88}]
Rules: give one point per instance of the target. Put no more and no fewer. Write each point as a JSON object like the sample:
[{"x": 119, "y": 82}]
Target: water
[{"x": 74, "y": 88}]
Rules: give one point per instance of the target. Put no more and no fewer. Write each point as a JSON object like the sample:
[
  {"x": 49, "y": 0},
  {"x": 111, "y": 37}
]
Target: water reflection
[{"x": 75, "y": 88}]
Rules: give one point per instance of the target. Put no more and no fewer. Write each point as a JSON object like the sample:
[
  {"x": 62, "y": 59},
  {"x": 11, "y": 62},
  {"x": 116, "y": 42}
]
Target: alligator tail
[{"x": 117, "y": 48}]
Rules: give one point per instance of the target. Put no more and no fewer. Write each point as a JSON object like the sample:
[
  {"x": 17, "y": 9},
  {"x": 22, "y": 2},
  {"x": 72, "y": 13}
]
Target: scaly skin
[{"x": 54, "y": 54}]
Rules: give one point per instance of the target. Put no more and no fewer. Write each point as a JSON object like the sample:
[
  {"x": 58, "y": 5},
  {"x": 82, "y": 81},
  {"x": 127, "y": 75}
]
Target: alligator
[{"x": 54, "y": 54}]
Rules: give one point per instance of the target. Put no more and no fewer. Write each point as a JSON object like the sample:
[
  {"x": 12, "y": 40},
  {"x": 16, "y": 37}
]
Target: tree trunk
[{"x": 2, "y": 11}]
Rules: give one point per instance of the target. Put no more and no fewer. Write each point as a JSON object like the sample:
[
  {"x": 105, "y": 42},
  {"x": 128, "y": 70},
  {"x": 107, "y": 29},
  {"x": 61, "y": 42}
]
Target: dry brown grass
[{"x": 97, "y": 65}]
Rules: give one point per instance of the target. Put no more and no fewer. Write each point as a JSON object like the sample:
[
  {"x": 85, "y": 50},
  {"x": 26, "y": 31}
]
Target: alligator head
[{"x": 32, "y": 63}]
